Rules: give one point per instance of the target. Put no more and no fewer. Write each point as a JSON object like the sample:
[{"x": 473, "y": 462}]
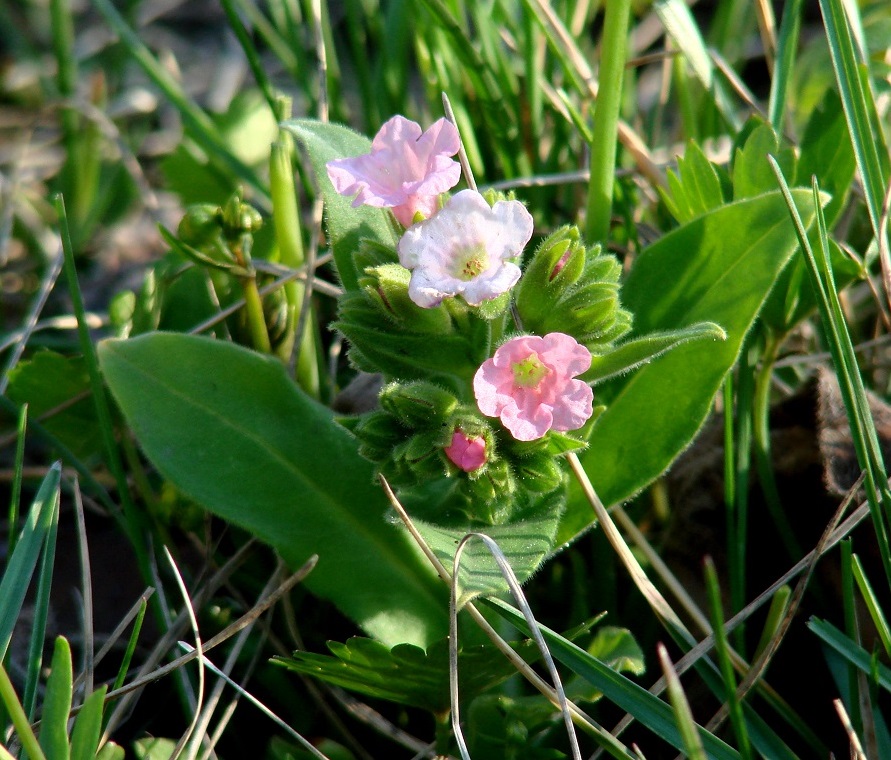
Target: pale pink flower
[
  {"x": 529, "y": 384},
  {"x": 467, "y": 453},
  {"x": 465, "y": 249},
  {"x": 405, "y": 171}
]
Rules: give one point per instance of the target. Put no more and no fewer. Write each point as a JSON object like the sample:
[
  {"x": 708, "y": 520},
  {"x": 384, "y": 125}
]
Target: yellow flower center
[
  {"x": 472, "y": 262},
  {"x": 529, "y": 372}
]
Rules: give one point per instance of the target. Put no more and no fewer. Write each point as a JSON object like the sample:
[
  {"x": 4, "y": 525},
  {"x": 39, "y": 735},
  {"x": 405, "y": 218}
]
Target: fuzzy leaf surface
[
  {"x": 720, "y": 267},
  {"x": 234, "y": 433},
  {"x": 526, "y": 540}
]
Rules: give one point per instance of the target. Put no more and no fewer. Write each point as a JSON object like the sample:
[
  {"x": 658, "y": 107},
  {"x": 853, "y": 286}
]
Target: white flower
[{"x": 465, "y": 249}]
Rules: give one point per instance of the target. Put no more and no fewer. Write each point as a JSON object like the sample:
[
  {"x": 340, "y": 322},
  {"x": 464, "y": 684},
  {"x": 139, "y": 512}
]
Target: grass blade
[
  {"x": 650, "y": 711},
  {"x": 852, "y": 76},
  {"x": 41, "y": 610},
  {"x": 20, "y": 568},
  {"x": 103, "y": 410},
  {"x": 197, "y": 122},
  {"x": 19, "y": 719},
  {"x": 683, "y": 715},
  {"x": 57, "y": 704},
  {"x": 844, "y": 359},
  {"x": 88, "y": 727}
]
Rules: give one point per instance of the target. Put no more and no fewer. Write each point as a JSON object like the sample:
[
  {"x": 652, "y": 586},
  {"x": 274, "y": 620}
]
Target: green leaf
[
  {"x": 627, "y": 695},
  {"x": 49, "y": 380},
  {"x": 152, "y": 748},
  {"x": 88, "y": 726},
  {"x": 525, "y": 540},
  {"x": 638, "y": 351},
  {"x": 695, "y": 273},
  {"x": 20, "y": 566},
  {"x": 752, "y": 174},
  {"x": 246, "y": 128},
  {"x": 696, "y": 189},
  {"x": 111, "y": 751},
  {"x": 346, "y": 225},
  {"x": 405, "y": 674},
  {"x": 57, "y": 704},
  {"x": 233, "y": 432},
  {"x": 617, "y": 648},
  {"x": 827, "y": 153}
]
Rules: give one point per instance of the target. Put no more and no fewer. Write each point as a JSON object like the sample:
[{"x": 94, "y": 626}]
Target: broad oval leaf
[
  {"x": 719, "y": 267},
  {"x": 233, "y": 432}
]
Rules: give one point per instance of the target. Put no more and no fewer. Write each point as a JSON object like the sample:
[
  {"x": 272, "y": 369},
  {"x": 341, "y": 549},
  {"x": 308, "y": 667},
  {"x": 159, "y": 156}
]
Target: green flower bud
[
  {"x": 240, "y": 218},
  {"x": 418, "y": 404},
  {"x": 373, "y": 254},
  {"x": 201, "y": 226},
  {"x": 490, "y": 491},
  {"x": 378, "y": 433},
  {"x": 540, "y": 473},
  {"x": 429, "y": 345},
  {"x": 387, "y": 287},
  {"x": 570, "y": 289}
]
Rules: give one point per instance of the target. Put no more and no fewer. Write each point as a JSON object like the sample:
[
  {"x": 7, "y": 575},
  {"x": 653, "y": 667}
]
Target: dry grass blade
[
  {"x": 193, "y": 620},
  {"x": 47, "y": 283},
  {"x": 254, "y": 701},
  {"x": 214, "y": 697},
  {"x": 510, "y": 577},
  {"x": 632, "y": 142},
  {"x": 117, "y": 632},
  {"x": 767, "y": 26},
  {"x": 884, "y": 253},
  {"x": 291, "y": 275},
  {"x": 322, "y": 58},
  {"x": 462, "y": 153},
  {"x": 227, "y": 633},
  {"x": 653, "y": 596},
  {"x": 87, "y": 586},
  {"x": 857, "y": 752}
]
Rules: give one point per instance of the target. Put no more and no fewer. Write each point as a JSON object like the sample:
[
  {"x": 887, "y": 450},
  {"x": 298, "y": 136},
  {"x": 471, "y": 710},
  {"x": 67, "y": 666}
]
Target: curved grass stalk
[
  {"x": 508, "y": 574},
  {"x": 603, "y": 737}
]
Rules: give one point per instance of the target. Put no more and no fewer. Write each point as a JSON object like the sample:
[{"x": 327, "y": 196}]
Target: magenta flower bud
[
  {"x": 558, "y": 267},
  {"x": 466, "y": 453}
]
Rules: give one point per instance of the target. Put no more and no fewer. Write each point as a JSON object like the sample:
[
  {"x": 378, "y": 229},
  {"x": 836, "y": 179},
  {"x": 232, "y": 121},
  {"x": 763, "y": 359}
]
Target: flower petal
[{"x": 554, "y": 400}]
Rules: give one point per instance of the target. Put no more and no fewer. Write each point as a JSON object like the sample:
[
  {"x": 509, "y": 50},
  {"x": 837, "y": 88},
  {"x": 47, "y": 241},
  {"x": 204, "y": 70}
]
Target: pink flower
[
  {"x": 465, "y": 249},
  {"x": 529, "y": 384},
  {"x": 405, "y": 171},
  {"x": 469, "y": 454}
]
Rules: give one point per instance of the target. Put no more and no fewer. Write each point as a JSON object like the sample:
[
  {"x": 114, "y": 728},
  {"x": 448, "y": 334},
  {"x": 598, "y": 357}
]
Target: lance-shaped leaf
[
  {"x": 346, "y": 225},
  {"x": 637, "y": 352},
  {"x": 720, "y": 267},
  {"x": 233, "y": 432}
]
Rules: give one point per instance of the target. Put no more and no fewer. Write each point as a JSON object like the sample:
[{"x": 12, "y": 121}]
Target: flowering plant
[{"x": 484, "y": 346}]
